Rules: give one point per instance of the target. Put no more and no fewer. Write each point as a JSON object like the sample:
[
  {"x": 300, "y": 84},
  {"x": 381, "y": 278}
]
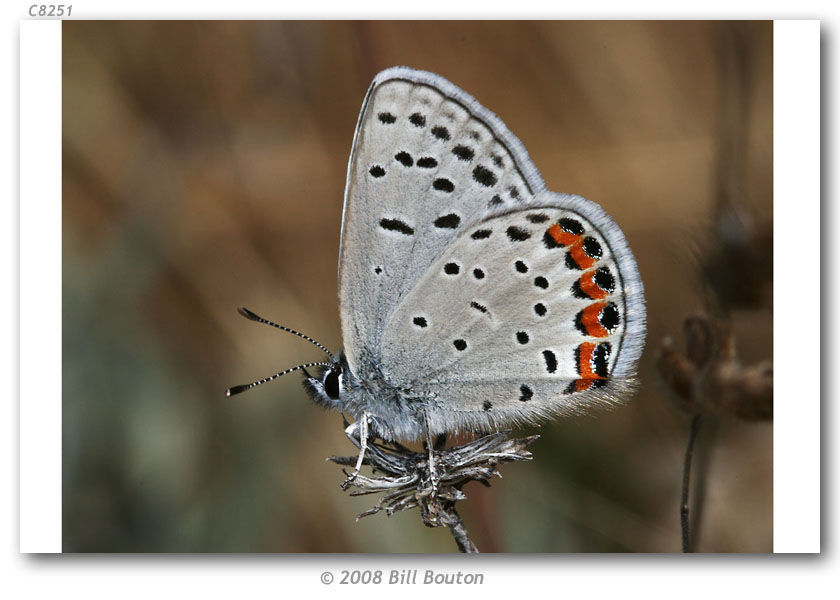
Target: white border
[
  {"x": 40, "y": 286},
  {"x": 797, "y": 462},
  {"x": 796, "y": 192}
]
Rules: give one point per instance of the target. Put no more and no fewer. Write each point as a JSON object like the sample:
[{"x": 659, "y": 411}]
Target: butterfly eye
[{"x": 331, "y": 385}]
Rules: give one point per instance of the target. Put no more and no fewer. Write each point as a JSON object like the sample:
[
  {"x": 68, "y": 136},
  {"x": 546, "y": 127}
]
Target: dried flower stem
[
  {"x": 684, "y": 508},
  {"x": 405, "y": 478},
  {"x": 456, "y": 526}
]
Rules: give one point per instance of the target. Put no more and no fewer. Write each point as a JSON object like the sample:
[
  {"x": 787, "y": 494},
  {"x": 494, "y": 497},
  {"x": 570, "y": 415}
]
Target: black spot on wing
[
  {"x": 420, "y": 322},
  {"x": 609, "y": 317},
  {"x": 540, "y": 309},
  {"x": 571, "y": 225},
  {"x": 577, "y": 292},
  {"x": 377, "y": 171},
  {"x": 396, "y": 225},
  {"x": 592, "y": 247},
  {"x": 441, "y": 133},
  {"x": 549, "y": 241},
  {"x": 605, "y": 280},
  {"x": 520, "y": 266},
  {"x": 600, "y": 358},
  {"x": 463, "y": 152},
  {"x": 541, "y": 282},
  {"x": 484, "y": 176},
  {"x": 538, "y": 218},
  {"x": 478, "y": 307},
  {"x": 450, "y": 221},
  {"x": 451, "y": 268},
  {"x": 404, "y": 158},
  {"x": 526, "y": 393},
  {"x": 427, "y": 162},
  {"x": 417, "y": 120},
  {"x": 460, "y": 345},
  {"x": 443, "y": 185},
  {"x": 481, "y": 234},
  {"x": 386, "y": 117},
  {"x": 517, "y": 234},
  {"x": 579, "y": 323},
  {"x": 550, "y": 361}
]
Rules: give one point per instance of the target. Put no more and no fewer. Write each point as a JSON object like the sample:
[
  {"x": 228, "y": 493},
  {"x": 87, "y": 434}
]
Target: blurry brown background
[{"x": 204, "y": 166}]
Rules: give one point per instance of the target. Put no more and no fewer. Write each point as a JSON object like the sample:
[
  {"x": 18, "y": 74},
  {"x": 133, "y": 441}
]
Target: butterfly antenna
[
  {"x": 255, "y": 317},
  {"x": 238, "y": 389}
]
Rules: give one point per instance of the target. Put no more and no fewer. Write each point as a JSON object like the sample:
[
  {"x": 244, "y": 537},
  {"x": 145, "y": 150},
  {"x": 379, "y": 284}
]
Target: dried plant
[
  {"x": 407, "y": 480},
  {"x": 707, "y": 379}
]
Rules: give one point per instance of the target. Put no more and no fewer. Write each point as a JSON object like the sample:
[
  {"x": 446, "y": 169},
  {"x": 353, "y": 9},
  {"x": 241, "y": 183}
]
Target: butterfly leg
[
  {"x": 361, "y": 428},
  {"x": 430, "y": 447}
]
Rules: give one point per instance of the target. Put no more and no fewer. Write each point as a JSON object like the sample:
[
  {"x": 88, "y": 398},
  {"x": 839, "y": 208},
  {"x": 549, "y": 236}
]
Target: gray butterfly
[{"x": 471, "y": 297}]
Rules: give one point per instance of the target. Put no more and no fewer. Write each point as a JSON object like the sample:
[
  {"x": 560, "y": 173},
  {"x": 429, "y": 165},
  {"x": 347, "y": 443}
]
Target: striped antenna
[
  {"x": 255, "y": 317},
  {"x": 238, "y": 389}
]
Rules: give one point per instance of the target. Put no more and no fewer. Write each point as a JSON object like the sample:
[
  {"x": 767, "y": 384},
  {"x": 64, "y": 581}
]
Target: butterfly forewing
[{"x": 424, "y": 168}]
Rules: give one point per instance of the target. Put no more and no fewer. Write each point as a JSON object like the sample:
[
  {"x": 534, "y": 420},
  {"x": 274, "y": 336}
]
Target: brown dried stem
[
  {"x": 684, "y": 508},
  {"x": 708, "y": 380}
]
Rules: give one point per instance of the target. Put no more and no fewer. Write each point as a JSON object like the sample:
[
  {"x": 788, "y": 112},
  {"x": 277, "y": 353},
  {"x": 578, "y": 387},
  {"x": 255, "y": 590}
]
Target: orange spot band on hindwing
[
  {"x": 591, "y": 366},
  {"x": 585, "y": 351},
  {"x": 590, "y": 317},
  {"x": 562, "y": 237},
  {"x": 590, "y": 288},
  {"x": 579, "y": 255},
  {"x": 586, "y": 358}
]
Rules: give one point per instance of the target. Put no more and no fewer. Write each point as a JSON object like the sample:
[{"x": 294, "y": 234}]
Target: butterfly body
[
  {"x": 393, "y": 413},
  {"x": 471, "y": 297}
]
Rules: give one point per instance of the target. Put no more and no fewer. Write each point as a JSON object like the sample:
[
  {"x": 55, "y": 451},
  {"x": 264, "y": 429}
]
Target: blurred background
[{"x": 204, "y": 167}]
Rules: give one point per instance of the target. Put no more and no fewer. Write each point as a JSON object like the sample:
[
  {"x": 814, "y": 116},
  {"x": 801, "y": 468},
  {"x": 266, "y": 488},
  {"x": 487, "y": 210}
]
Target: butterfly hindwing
[{"x": 523, "y": 315}]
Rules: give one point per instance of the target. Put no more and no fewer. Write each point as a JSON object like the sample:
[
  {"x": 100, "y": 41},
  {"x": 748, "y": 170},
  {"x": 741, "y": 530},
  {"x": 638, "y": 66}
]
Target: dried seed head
[{"x": 708, "y": 378}]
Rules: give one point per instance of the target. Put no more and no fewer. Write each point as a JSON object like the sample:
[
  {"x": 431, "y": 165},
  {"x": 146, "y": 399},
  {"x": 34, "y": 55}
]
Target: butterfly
[{"x": 471, "y": 297}]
